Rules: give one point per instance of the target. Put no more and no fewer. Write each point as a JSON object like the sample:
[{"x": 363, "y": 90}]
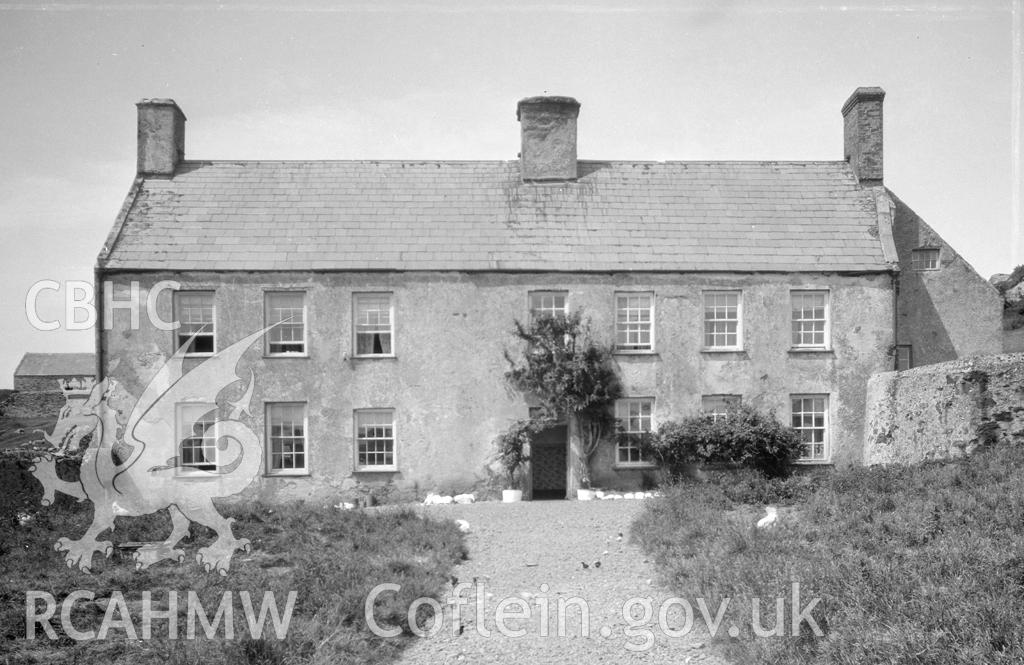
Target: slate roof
[
  {"x": 56, "y": 364},
  {"x": 479, "y": 216}
]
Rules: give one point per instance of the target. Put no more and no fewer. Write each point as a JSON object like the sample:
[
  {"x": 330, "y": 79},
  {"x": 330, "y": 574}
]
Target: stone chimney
[
  {"x": 548, "y": 127},
  {"x": 161, "y": 137},
  {"x": 862, "y": 134}
]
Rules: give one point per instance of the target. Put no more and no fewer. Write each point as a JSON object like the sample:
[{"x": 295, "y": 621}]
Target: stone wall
[
  {"x": 32, "y": 404},
  {"x": 944, "y": 410}
]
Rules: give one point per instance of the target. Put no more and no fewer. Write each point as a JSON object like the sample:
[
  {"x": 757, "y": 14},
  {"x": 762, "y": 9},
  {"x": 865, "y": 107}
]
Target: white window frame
[
  {"x": 356, "y": 439},
  {"x": 716, "y": 405},
  {"x": 622, "y": 415},
  {"x": 198, "y": 409},
  {"x": 267, "y": 295},
  {"x": 542, "y": 309},
  {"x": 355, "y": 323},
  {"x": 919, "y": 265},
  {"x": 269, "y": 441},
  {"x": 826, "y": 456},
  {"x": 827, "y": 331},
  {"x": 176, "y": 313},
  {"x": 738, "y": 346},
  {"x": 628, "y": 348}
]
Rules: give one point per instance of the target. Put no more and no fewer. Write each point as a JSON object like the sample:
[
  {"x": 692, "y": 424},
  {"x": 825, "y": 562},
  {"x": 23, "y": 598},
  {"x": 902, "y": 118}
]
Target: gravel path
[{"x": 517, "y": 548}]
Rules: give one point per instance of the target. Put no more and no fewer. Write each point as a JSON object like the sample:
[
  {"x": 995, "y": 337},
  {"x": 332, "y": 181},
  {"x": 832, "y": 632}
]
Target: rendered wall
[
  {"x": 947, "y": 313},
  {"x": 446, "y": 383}
]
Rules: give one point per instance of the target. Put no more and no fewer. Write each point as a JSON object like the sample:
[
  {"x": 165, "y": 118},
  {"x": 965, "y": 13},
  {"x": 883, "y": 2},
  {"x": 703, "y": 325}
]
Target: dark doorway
[{"x": 548, "y": 463}]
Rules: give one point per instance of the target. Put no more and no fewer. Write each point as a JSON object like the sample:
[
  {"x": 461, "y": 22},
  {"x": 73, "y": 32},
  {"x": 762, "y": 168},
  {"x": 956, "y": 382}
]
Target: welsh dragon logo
[{"x": 132, "y": 465}]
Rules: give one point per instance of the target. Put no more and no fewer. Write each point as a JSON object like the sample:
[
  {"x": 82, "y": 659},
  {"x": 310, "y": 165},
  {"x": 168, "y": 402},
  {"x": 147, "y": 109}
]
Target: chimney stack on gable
[
  {"x": 161, "y": 137},
  {"x": 862, "y": 134},
  {"x": 548, "y": 128}
]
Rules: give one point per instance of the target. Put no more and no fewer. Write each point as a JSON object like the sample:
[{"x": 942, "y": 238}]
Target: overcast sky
[{"x": 332, "y": 80}]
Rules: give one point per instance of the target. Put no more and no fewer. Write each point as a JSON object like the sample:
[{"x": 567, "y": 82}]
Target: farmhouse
[{"x": 395, "y": 285}]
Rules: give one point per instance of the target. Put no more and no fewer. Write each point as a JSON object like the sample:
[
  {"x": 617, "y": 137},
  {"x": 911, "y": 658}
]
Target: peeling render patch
[{"x": 944, "y": 411}]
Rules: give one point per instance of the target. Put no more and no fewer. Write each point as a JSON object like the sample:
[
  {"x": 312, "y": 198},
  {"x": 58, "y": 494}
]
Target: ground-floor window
[
  {"x": 375, "y": 440},
  {"x": 286, "y": 438},
  {"x": 904, "y": 357},
  {"x": 197, "y": 437},
  {"x": 635, "y": 416},
  {"x": 810, "y": 420},
  {"x": 717, "y": 406}
]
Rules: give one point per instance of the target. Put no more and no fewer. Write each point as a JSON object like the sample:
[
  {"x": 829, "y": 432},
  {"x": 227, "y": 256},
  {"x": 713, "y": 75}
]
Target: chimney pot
[
  {"x": 161, "y": 136},
  {"x": 548, "y": 129},
  {"x": 862, "y": 134}
]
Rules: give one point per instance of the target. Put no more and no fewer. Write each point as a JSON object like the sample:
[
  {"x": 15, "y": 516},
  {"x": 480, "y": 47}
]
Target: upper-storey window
[
  {"x": 548, "y": 303},
  {"x": 286, "y": 309},
  {"x": 634, "y": 321},
  {"x": 925, "y": 258},
  {"x": 810, "y": 315},
  {"x": 374, "y": 324},
  {"x": 723, "y": 320},
  {"x": 194, "y": 312}
]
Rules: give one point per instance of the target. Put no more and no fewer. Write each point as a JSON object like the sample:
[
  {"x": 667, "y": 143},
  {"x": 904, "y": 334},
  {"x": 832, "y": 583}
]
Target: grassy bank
[
  {"x": 329, "y": 558},
  {"x": 911, "y": 564}
]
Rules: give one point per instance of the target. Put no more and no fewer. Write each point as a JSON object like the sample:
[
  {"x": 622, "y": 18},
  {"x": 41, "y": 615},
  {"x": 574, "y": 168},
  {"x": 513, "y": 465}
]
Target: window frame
[
  {"x": 918, "y": 266},
  {"x": 175, "y": 315},
  {"x": 269, "y": 469},
  {"x": 193, "y": 470},
  {"x": 910, "y": 357},
  {"x": 705, "y": 321},
  {"x": 620, "y": 403},
  {"x": 546, "y": 292},
  {"x": 725, "y": 398},
  {"x": 826, "y": 427},
  {"x": 305, "y": 324},
  {"x": 826, "y": 333},
  {"x": 621, "y": 349},
  {"x": 374, "y": 468},
  {"x": 355, "y": 323}
]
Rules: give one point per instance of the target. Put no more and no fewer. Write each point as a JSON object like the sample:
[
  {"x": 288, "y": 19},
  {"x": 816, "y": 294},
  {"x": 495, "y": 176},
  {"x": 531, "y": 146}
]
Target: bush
[{"x": 742, "y": 437}]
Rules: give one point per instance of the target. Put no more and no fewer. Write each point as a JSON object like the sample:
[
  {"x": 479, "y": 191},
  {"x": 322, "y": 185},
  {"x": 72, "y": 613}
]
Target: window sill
[
  {"x": 634, "y": 466},
  {"x": 193, "y": 474},
  {"x": 376, "y": 469},
  {"x": 797, "y": 350},
  {"x": 627, "y": 352},
  {"x": 389, "y": 356},
  {"x": 199, "y": 355},
  {"x": 814, "y": 462},
  {"x": 286, "y": 355},
  {"x": 287, "y": 474}
]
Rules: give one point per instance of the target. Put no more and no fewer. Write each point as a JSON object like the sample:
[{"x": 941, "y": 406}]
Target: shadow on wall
[{"x": 946, "y": 313}]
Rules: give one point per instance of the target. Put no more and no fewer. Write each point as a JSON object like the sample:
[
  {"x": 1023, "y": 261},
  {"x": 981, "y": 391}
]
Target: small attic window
[{"x": 925, "y": 258}]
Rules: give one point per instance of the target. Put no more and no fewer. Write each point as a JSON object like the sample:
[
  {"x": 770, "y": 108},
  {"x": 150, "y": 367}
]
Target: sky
[{"x": 440, "y": 80}]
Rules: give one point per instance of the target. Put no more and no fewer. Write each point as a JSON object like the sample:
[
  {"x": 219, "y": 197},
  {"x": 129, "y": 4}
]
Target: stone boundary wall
[
  {"x": 944, "y": 410},
  {"x": 32, "y": 404}
]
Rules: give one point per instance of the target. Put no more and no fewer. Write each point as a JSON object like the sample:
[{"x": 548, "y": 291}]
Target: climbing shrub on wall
[{"x": 569, "y": 374}]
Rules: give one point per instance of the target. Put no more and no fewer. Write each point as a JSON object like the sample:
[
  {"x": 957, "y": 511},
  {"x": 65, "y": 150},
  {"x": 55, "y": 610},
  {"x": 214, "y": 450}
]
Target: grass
[
  {"x": 911, "y": 564},
  {"x": 330, "y": 558}
]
